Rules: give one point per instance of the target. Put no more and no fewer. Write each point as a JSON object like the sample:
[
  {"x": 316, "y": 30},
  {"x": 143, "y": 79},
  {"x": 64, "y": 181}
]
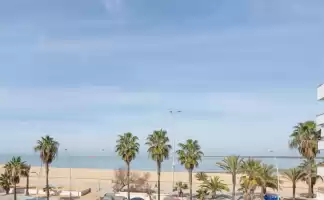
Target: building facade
[{"x": 320, "y": 125}]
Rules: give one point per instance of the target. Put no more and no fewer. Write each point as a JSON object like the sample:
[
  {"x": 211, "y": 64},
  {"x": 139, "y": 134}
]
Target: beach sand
[{"x": 100, "y": 180}]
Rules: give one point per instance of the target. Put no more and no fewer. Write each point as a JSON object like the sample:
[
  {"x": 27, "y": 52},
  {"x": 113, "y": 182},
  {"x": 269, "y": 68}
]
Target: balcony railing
[
  {"x": 320, "y": 120},
  {"x": 320, "y": 92}
]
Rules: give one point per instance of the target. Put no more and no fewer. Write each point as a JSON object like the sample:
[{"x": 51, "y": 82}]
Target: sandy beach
[{"x": 101, "y": 180}]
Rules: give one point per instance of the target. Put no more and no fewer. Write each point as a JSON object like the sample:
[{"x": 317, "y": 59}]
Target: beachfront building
[{"x": 320, "y": 125}]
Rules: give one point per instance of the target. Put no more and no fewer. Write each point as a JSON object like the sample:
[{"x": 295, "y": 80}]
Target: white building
[{"x": 320, "y": 125}]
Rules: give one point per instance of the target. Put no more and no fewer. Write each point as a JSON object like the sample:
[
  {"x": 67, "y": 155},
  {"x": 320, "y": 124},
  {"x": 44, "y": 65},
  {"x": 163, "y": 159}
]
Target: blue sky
[{"x": 243, "y": 72}]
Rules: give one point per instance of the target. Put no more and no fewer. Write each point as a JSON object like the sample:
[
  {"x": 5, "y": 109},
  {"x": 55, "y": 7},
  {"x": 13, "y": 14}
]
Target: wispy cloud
[
  {"x": 94, "y": 113},
  {"x": 114, "y": 98},
  {"x": 65, "y": 98}
]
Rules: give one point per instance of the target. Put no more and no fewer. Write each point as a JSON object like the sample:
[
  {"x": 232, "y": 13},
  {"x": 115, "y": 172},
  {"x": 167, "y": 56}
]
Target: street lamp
[
  {"x": 70, "y": 176},
  {"x": 275, "y": 160},
  {"x": 173, "y": 112}
]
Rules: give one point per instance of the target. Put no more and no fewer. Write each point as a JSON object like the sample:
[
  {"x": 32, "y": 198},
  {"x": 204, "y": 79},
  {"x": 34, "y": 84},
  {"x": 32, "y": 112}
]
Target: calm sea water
[{"x": 140, "y": 163}]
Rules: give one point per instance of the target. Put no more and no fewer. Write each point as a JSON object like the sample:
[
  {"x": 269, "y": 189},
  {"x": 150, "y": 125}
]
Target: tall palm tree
[
  {"x": 48, "y": 149},
  {"x": 251, "y": 170},
  {"x": 179, "y": 187},
  {"x": 304, "y": 166},
  {"x": 5, "y": 182},
  {"x": 25, "y": 172},
  {"x": 189, "y": 155},
  {"x": 231, "y": 164},
  {"x": 267, "y": 179},
  {"x": 304, "y": 138},
  {"x": 294, "y": 175},
  {"x": 159, "y": 149},
  {"x": 127, "y": 147},
  {"x": 214, "y": 184},
  {"x": 201, "y": 176},
  {"x": 14, "y": 168}
]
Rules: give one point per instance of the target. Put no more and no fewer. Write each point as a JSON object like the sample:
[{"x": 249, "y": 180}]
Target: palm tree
[
  {"x": 159, "y": 149},
  {"x": 245, "y": 187},
  {"x": 189, "y": 155},
  {"x": 180, "y": 186},
  {"x": 5, "y": 182},
  {"x": 25, "y": 172},
  {"x": 305, "y": 138},
  {"x": 293, "y": 175},
  {"x": 201, "y": 176},
  {"x": 48, "y": 149},
  {"x": 231, "y": 164},
  {"x": 202, "y": 193},
  {"x": 127, "y": 147},
  {"x": 251, "y": 170},
  {"x": 214, "y": 184},
  {"x": 267, "y": 179},
  {"x": 304, "y": 166},
  {"x": 14, "y": 168}
]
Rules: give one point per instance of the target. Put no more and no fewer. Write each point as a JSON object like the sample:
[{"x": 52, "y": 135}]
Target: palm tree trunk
[
  {"x": 159, "y": 176},
  {"x": 15, "y": 191},
  {"x": 245, "y": 196},
  {"x": 128, "y": 179},
  {"x": 234, "y": 184},
  {"x": 263, "y": 192},
  {"x": 310, "y": 195},
  {"x": 294, "y": 191},
  {"x": 190, "y": 183},
  {"x": 47, "y": 185},
  {"x": 27, "y": 184},
  {"x": 252, "y": 194}
]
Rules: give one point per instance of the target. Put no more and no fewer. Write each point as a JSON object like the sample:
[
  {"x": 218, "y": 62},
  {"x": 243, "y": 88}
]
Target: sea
[{"x": 143, "y": 162}]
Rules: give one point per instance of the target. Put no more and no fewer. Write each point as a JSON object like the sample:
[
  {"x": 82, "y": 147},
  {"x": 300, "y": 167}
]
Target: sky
[{"x": 243, "y": 73}]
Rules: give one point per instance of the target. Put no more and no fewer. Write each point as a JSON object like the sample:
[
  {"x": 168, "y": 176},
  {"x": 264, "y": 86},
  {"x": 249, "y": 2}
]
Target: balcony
[
  {"x": 320, "y": 92},
  {"x": 321, "y": 146},
  {"x": 320, "y": 170},
  {"x": 320, "y": 120}
]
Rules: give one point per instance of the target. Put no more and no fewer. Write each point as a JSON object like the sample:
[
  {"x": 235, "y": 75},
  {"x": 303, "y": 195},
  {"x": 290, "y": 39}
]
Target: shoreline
[{"x": 208, "y": 164}]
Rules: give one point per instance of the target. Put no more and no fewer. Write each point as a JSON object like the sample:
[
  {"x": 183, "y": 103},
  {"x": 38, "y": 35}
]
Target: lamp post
[
  {"x": 173, "y": 112},
  {"x": 275, "y": 160},
  {"x": 38, "y": 181},
  {"x": 70, "y": 173}
]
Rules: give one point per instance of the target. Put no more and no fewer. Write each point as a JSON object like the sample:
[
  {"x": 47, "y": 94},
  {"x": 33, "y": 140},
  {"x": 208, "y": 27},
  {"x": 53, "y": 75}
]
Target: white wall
[{"x": 41, "y": 192}]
